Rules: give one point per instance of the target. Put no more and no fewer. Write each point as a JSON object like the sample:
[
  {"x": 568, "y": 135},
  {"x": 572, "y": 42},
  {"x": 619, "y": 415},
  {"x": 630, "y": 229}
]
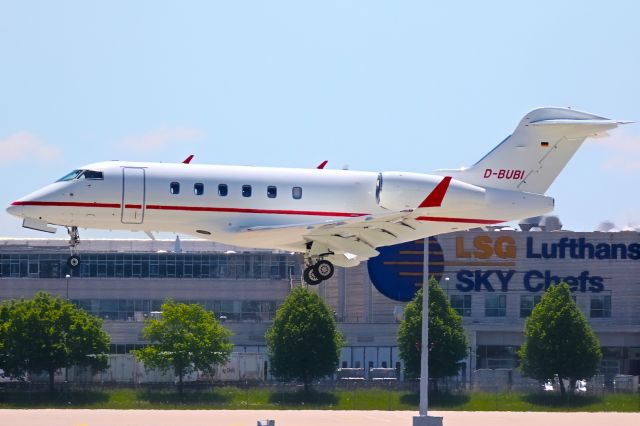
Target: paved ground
[{"x": 297, "y": 418}]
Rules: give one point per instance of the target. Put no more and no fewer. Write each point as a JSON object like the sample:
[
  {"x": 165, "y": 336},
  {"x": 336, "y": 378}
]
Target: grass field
[{"x": 270, "y": 398}]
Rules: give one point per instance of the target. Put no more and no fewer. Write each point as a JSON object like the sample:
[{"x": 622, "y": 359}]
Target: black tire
[
  {"x": 324, "y": 269},
  {"x": 73, "y": 262},
  {"x": 310, "y": 277}
]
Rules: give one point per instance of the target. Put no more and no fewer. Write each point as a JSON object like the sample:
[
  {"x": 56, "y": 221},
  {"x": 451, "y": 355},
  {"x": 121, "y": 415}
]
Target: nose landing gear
[
  {"x": 317, "y": 272},
  {"x": 74, "y": 239}
]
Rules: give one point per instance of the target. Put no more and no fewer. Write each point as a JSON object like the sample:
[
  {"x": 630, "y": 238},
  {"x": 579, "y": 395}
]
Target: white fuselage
[{"x": 191, "y": 199}]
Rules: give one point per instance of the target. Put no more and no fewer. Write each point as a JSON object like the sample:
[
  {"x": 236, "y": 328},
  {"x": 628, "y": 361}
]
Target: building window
[
  {"x": 494, "y": 356},
  {"x": 223, "y": 190},
  {"x": 495, "y": 305},
  {"x": 462, "y": 304},
  {"x": 198, "y": 188},
  {"x": 600, "y": 306},
  {"x": 272, "y": 192},
  {"x": 246, "y": 190},
  {"x": 296, "y": 192},
  {"x": 527, "y": 303},
  {"x": 174, "y": 188}
]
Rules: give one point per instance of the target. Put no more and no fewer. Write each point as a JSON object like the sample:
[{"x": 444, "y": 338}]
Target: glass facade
[
  {"x": 139, "y": 309},
  {"x": 124, "y": 348},
  {"x": 151, "y": 265}
]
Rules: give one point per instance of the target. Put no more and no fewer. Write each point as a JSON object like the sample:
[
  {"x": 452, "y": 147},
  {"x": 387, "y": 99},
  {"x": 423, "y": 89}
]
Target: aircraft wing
[{"x": 358, "y": 236}]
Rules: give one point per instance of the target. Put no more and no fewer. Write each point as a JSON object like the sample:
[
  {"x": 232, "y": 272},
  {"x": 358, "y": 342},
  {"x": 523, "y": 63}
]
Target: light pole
[
  {"x": 424, "y": 419},
  {"x": 67, "y": 277},
  {"x": 66, "y": 369}
]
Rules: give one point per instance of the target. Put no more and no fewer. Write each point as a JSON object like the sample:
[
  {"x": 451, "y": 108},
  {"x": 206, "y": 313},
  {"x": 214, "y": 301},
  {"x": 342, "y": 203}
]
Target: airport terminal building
[{"x": 492, "y": 278}]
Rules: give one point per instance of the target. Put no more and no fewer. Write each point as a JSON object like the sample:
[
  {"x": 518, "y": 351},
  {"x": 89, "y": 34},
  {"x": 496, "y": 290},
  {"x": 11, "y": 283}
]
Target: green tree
[
  {"x": 48, "y": 333},
  {"x": 187, "y": 338},
  {"x": 447, "y": 341},
  {"x": 559, "y": 340},
  {"x": 304, "y": 343}
]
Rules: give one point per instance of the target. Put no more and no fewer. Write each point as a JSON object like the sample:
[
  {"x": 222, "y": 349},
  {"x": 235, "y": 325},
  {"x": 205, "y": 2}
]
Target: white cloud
[
  {"x": 622, "y": 153},
  {"x": 161, "y": 138},
  {"x": 24, "y": 145}
]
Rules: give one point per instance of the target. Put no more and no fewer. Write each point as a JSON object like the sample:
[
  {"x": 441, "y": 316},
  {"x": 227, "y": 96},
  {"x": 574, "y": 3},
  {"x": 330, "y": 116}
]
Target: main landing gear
[
  {"x": 317, "y": 272},
  {"x": 74, "y": 239}
]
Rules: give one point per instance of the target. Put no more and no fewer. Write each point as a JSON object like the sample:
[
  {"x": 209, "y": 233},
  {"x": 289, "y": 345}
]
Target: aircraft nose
[{"x": 15, "y": 209}]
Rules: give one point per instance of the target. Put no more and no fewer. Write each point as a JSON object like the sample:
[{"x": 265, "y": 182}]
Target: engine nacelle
[{"x": 399, "y": 191}]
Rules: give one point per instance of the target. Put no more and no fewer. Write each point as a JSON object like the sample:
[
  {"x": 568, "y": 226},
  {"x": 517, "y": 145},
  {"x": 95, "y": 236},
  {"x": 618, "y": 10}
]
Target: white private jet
[{"x": 334, "y": 217}]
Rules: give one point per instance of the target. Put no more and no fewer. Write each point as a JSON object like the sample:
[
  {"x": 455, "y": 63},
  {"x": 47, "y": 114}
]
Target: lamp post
[
  {"x": 66, "y": 369},
  {"x": 67, "y": 277},
  {"x": 424, "y": 419}
]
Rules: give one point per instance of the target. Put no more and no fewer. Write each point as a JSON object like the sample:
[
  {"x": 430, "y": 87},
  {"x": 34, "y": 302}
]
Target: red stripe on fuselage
[
  {"x": 259, "y": 211},
  {"x": 458, "y": 220},
  {"x": 64, "y": 204},
  {"x": 186, "y": 208}
]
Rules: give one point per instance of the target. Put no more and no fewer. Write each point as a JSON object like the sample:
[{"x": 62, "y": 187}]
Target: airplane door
[{"x": 133, "y": 195}]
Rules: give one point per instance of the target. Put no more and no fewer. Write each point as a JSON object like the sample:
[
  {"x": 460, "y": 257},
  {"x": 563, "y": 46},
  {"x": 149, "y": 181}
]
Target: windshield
[{"x": 81, "y": 174}]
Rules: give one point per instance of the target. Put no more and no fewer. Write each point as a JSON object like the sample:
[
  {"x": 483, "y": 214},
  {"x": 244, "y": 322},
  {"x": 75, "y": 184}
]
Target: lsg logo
[{"x": 485, "y": 247}]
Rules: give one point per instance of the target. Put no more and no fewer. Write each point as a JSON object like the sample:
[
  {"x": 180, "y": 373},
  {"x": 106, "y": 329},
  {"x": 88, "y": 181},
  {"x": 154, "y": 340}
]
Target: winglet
[
  {"x": 434, "y": 199},
  {"x": 188, "y": 159},
  {"x": 321, "y": 165}
]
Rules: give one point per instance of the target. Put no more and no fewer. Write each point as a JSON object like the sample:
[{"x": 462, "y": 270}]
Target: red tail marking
[
  {"x": 321, "y": 165},
  {"x": 434, "y": 199},
  {"x": 188, "y": 159}
]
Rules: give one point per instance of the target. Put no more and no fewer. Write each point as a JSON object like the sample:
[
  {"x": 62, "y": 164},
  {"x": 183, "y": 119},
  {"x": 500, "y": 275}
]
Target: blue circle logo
[{"x": 397, "y": 272}]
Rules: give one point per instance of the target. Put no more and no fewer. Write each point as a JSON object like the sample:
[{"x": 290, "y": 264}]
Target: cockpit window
[
  {"x": 70, "y": 176},
  {"x": 92, "y": 174},
  {"x": 81, "y": 174}
]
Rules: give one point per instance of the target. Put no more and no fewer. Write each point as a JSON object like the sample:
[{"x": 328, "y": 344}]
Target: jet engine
[{"x": 399, "y": 191}]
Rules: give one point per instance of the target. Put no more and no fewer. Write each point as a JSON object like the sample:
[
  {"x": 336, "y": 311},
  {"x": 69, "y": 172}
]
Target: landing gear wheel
[
  {"x": 310, "y": 277},
  {"x": 323, "y": 269},
  {"x": 73, "y": 262}
]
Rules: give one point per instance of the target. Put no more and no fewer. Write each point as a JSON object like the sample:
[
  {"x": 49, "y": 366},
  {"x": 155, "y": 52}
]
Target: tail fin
[{"x": 532, "y": 157}]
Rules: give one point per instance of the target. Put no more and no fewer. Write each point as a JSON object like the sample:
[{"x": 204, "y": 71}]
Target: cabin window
[
  {"x": 272, "y": 191},
  {"x": 246, "y": 190},
  {"x": 198, "y": 188},
  {"x": 296, "y": 192},
  {"x": 223, "y": 190},
  {"x": 174, "y": 188}
]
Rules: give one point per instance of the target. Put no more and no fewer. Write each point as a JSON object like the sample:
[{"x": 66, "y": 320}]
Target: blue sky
[{"x": 376, "y": 86}]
